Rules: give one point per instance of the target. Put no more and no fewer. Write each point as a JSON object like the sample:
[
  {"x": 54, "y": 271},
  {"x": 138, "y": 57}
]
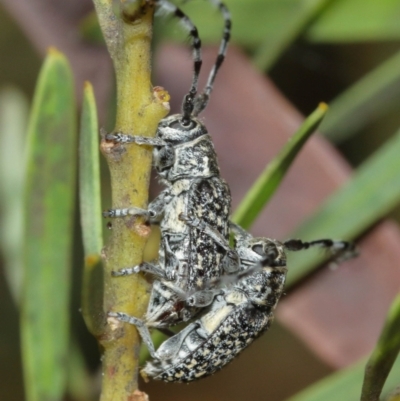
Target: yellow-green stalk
[{"x": 139, "y": 109}]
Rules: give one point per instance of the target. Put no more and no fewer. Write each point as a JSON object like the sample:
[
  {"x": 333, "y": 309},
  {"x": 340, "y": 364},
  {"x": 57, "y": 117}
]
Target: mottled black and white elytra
[
  {"x": 239, "y": 313},
  {"x": 234, "y": 320},
  {"x": 186, "y": 162}
]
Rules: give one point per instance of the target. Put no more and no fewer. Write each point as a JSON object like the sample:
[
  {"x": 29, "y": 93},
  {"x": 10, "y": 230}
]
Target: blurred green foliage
[{"x": 38, "y": 260}]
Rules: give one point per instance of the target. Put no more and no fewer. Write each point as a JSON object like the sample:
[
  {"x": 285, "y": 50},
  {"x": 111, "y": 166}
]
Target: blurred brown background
[{"x": 250, "y": 120}]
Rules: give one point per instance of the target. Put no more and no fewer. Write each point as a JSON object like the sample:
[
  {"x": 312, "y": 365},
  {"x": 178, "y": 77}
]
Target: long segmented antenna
[
  {"x": 189, "y": 99},
  {"x": 193, "y": 105},
  {"x": 341, "y": 250},
  {"x": 201, "y": 100}
]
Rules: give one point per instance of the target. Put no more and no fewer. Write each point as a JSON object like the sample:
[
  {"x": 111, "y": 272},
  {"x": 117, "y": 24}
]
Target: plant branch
[{"x": 139, "y": 109}]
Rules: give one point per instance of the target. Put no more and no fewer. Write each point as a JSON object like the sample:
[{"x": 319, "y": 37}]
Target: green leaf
[
  {"x": 81, "y": 385},
  {"x": 292, "y": 25},
  {"x": 90, "y": 208},
  {"x": 344, "y": 385},
  {"x": 48, "y": 231},
  {"x": 373, "y": 191},
  {"x": 13, "y": 123},
  {"x": 357, "y": 20},
  {"x": 384, "y": 355},
  {"x": 270, "y": 178},
  {"x": 90, "y": 30},
  {"x": 369, "y": 98},
  {"x": 89, "y": 175}
]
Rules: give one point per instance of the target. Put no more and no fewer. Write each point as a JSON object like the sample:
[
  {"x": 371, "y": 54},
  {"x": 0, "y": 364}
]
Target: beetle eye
[
  {"x": 178, "y": 124},
  {"x": 259, "y": 249}
]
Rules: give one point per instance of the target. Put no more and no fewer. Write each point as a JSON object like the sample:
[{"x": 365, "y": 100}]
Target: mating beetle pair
[{"x": 235, "y": 289}]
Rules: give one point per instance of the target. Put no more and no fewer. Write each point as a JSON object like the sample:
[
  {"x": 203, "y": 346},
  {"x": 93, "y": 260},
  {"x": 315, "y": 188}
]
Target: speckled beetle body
[
  {"x": 228, "y": 294},
  {"x": 188, "y": 258},
  {"x": 184, "y": 157},
  {"x": 237, "y": 316}
]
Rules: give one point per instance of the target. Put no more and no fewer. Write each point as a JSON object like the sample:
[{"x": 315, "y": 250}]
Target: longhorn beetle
[
  {"x": 186, "y": 162},
  {"x": 238, "y": 314}
]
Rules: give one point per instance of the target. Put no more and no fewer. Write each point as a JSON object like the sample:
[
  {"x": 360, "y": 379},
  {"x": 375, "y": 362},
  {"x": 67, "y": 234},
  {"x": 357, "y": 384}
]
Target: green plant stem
[{"x": 139, "y": 109}]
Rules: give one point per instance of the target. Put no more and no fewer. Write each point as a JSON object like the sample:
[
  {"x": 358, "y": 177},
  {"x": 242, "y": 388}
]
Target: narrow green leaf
[
  {"x": 81, "y": 385},
  {"x": 366, "y": 100},
  {"x": 357, "y": 20},
  {"x": 273, "y": 46},
  {"x": 384, "y": 355},
  {"x": 372, "y": 192},
  {"x": 90, "y": 208},
  {"x": 89, "y": 175},
  {"x": 270, "y": 178},
  {"x": 344, "y": 385},
  {"x": 48, "y": 223},
  {"x": 13, "y": 123}
]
